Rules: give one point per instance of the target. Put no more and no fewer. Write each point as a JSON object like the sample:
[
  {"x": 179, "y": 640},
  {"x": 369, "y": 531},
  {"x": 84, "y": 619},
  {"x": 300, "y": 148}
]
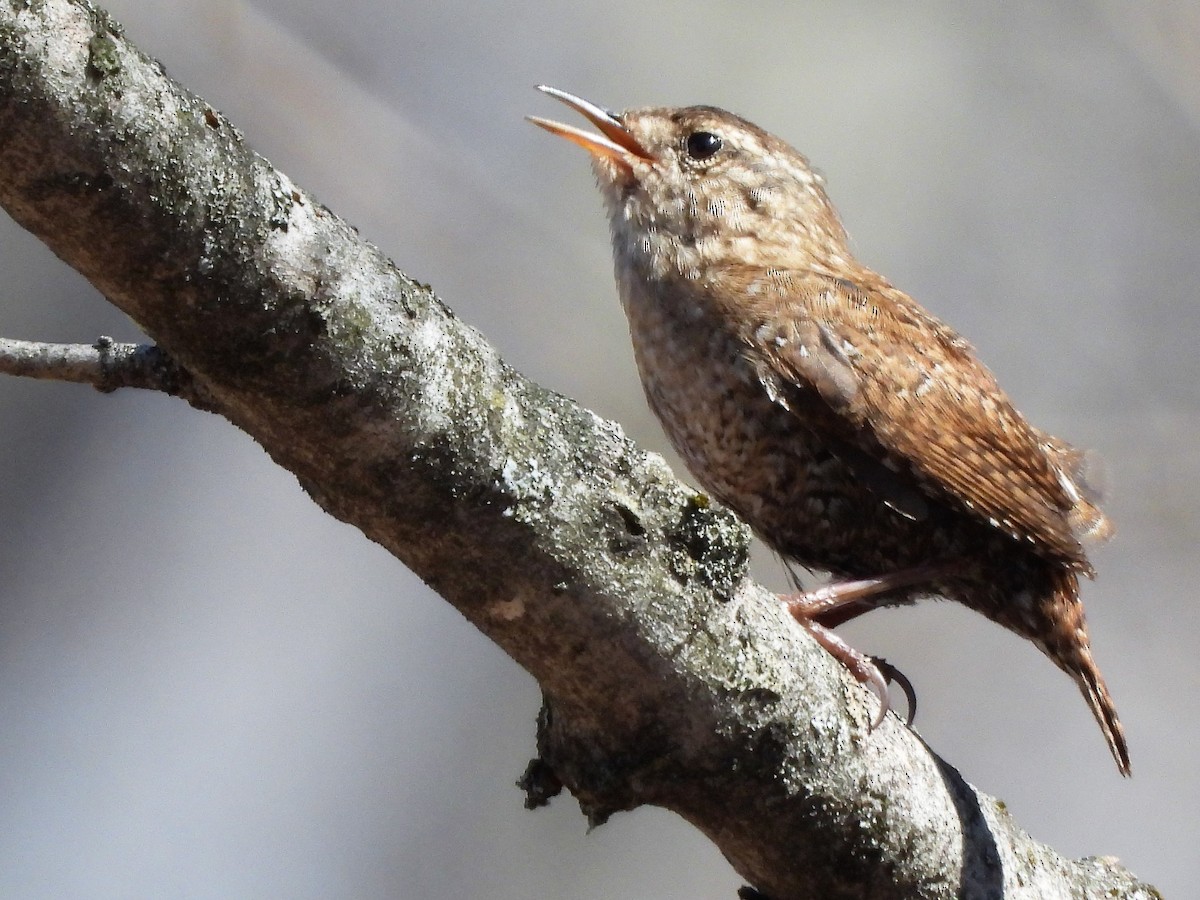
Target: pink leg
[{"x": 825, "y": 602}]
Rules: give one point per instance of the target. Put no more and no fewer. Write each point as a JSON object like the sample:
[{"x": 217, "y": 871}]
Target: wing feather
[{"x": 910, "y": 393}]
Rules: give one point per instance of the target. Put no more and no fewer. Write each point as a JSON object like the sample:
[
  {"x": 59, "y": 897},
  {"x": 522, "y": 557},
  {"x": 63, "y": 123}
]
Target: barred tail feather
[
  {"x": 1091, "y": 683},
  {"x": 1071, "y": 650}
]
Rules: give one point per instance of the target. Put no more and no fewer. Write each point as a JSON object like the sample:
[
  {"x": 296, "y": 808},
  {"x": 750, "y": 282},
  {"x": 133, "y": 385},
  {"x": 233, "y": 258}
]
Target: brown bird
[{"x": 851, "y": 429}]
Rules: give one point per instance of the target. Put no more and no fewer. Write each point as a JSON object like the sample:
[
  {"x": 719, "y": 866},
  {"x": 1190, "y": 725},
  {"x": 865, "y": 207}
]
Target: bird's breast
[{"x": 737, "y": 442}]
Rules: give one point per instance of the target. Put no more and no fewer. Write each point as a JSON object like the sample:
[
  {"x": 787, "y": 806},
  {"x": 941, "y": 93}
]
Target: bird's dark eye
[{"x": 702, "y": 145}]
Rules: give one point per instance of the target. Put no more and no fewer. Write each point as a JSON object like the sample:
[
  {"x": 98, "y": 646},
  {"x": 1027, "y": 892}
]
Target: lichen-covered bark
[{"x": 669, "y": 678}]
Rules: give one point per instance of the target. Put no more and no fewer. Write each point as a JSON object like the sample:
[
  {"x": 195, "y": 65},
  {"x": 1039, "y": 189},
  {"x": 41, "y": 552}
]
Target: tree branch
[{"x": 669, "y": 678}]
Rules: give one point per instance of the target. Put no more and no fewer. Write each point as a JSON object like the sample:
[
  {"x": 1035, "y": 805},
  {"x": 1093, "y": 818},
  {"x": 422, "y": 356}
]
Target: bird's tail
[{"x": 1071, "y": 650}]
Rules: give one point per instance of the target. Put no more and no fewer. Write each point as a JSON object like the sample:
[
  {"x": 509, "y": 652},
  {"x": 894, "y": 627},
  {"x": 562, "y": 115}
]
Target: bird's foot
[
  {"x": 818, "y": 610},
  {"x": 861, "y": 666}
]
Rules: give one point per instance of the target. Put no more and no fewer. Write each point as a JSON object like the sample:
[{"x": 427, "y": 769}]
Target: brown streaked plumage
[{"x": 856, "y": 433}]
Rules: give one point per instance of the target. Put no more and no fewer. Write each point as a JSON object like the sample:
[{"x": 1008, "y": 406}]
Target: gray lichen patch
[{"x": 103, "y": 55}]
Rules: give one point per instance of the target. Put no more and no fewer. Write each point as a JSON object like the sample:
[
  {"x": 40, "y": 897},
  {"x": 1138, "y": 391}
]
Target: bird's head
[{"x": 692, "y": 187}]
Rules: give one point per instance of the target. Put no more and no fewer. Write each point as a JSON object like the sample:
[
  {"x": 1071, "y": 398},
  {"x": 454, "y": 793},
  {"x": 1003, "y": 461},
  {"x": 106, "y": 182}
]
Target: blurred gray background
[{"x": 208, "y": 688}]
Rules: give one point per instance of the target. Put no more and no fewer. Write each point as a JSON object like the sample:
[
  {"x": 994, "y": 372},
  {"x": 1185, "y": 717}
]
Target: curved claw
[
  {"x": 890, "y": 673},
  {"x": 876, "y": 683}
]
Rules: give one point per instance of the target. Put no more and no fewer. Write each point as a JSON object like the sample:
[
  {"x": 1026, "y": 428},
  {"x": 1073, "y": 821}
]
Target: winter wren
[{"x": 852, "y": 430}]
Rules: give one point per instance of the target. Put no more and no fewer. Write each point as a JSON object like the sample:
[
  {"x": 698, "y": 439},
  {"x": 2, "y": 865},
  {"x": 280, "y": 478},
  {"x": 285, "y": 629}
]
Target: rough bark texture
[{"x": 669, "y": 678}]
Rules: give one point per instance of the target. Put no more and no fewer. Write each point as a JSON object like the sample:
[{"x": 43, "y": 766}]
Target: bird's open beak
[{"x": 614, "y": 142}]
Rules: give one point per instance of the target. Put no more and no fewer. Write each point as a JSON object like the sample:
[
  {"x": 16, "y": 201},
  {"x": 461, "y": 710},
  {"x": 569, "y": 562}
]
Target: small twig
[{"x": 106, "y": 365}]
